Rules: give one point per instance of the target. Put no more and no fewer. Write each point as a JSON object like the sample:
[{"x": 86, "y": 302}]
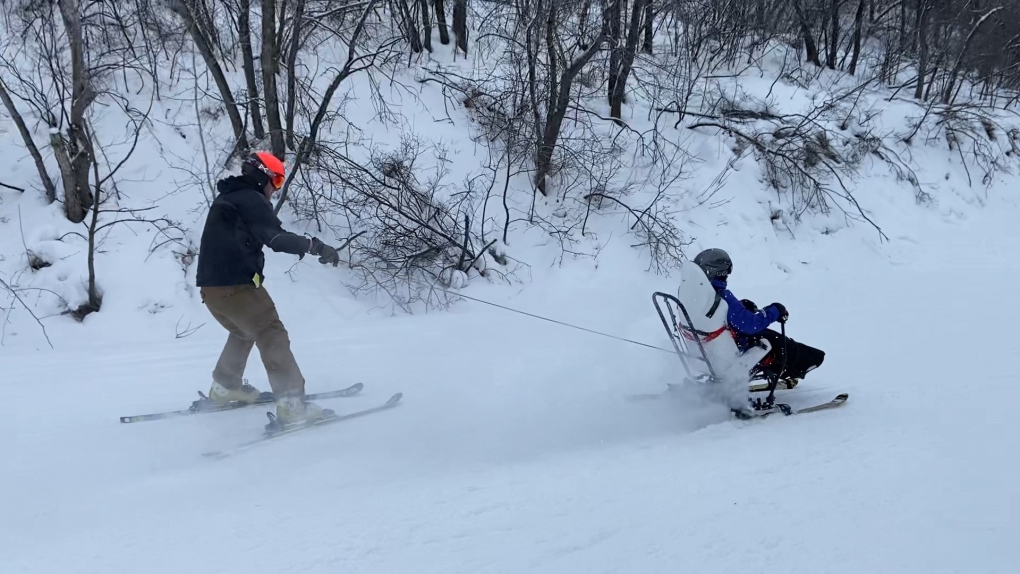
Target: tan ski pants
[{"x": 249, "y": 315}]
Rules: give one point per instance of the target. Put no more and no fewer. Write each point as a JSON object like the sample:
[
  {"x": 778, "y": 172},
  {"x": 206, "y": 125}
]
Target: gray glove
[{"x": 326, "y": 253}]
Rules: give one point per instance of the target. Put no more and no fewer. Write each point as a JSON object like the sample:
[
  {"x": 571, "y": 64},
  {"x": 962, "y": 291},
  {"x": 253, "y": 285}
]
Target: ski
[
  {"x": 787, "y": 410},
  {"x": 205, "y": 405},
  {"x": 785, "y": 384},
  {"x": 275, "y": 429}
]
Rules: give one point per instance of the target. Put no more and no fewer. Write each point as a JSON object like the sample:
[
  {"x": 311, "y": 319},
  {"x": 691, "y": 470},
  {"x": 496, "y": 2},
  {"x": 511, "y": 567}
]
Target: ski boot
[
  {"x": 294, "y": 410},
  {"x": 221, "y": 395}
]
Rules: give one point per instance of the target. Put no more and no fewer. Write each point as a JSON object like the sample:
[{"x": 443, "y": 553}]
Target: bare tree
[
  {"x": 248, "y": 57},
  {"x": 26, "y": 137},
  {"x": 833, "y": 51},
  {"x": 460, "y": 29},
  {"x": 104, "y": 213},
  {"x": 200, "y": 27},
  {"x": 270, "y": 65},
  {"x": 858, "y": 33},
  {"x": 618, "y": 77},
  {"x": 807, "y": 36},
  {"x": 444, "y": 31},
  {"x": 560, "y": 76},
  {"x": 948, "y": 93},
  {"x": 78, "y": 64},
  {"x": 923, "y": 7},
  {"x": 355, "y": 63},
  {"x": 297, "y": 37},
  {"x": 70, "y": 150},
  {"x": 66, "y": 58}
]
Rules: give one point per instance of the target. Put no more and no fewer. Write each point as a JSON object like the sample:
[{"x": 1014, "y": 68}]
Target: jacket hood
[{"x": 236, "y": 183}]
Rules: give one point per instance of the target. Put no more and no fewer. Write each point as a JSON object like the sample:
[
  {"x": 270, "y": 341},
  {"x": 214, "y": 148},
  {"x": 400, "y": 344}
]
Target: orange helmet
[{"x": 265, "y": 168}]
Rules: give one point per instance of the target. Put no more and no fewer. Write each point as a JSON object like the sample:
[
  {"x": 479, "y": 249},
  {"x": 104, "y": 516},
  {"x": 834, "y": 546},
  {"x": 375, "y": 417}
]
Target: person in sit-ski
[{"x": 749, "y": 324}]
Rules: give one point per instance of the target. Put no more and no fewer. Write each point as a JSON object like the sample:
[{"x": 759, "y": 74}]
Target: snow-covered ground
[{"x": 515, "y": 449}]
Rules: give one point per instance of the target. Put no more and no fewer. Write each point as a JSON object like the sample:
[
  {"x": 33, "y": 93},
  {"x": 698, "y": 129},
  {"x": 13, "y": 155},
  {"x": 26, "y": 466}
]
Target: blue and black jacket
[{"x": 744, "y": 318}]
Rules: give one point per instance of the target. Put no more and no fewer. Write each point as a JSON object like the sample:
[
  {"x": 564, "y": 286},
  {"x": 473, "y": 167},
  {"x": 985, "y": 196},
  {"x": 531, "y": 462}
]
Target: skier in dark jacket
[
  {"x": 230, "y": 276},
  {"x": 749, "y": 324}
]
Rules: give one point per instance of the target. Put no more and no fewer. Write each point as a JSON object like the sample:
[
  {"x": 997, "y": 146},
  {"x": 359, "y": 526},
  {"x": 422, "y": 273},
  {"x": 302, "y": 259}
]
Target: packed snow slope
[{"x": 515, "y": 449}]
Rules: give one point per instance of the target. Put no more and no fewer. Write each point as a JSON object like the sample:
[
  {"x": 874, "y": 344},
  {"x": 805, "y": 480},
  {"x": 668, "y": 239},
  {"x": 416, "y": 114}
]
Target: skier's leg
[
  {"x": 228, "y": 384},
  {"x": 800, "y": 358},
  {"x": 253, "y": 313},
  {"x": 273, "y": 342},
  {"x": 262, "y": 321},
  {"x": 233, "y": 359},
  {"x": 803, "y": 359}
]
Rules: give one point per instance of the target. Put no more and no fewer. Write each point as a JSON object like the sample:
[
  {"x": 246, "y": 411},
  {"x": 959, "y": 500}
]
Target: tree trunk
[
  {"x": 614, "y": 15},
  {"x": 186, "y": 10},
  {"x": 95, "y": 301},
  {"x": 559, "y": 96},
  {"x": 646, "y": 46},
  {"x": 460, "y": 24},
  {"x": 244, "y": 32},
  {"x": 917, "y": 21},
  {"x": 308, "y": 143},
  {"x": 426, "y": 24},
  {"x": 26, "y": 137},
  {"x": 553, "y": 54},
  {"x": 408, "y": 26},
  {"x": 444, "y": 32},
  {"x": 810, "y": 47},
  {"x": 583, "y": 21},
  {"x": 616, "y": 98},
  {"x": 922, "y": 47},
  {"x": 533, "y": 51},
  {"x": 830, "y": 58},
  {"x": 858, "y": 24},
  {"x": 280, "y": 28},
  {"x": 71, "y": 155},
  {"x": 270, "y": 65},
  {"x": 295, "y": 47}
]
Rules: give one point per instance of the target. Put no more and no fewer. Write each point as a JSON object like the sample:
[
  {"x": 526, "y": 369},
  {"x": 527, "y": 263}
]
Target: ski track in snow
[{"x": 515, "y": 451}]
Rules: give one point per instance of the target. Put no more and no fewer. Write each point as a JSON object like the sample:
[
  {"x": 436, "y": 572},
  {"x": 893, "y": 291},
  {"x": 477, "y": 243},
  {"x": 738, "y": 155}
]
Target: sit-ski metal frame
[{"x": 673, "y": 326}]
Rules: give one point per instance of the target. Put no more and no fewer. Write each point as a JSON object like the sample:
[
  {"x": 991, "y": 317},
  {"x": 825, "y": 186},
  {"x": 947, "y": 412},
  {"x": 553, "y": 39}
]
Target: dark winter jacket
[
  {"x": 746, "y": 321},
  {"x": 239, "y": 223}
]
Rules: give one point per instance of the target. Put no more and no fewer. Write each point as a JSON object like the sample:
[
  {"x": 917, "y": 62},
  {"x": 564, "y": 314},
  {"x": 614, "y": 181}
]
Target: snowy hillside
[{"x": 874, "y": 217}]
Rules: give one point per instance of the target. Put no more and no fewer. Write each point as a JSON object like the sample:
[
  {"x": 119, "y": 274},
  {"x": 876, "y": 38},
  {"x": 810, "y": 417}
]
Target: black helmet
[{"x": 715, "y": 262}]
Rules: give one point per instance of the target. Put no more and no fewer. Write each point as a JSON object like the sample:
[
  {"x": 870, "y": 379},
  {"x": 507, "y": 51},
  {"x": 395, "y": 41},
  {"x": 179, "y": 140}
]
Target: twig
[{"x": 17, "y": 297}]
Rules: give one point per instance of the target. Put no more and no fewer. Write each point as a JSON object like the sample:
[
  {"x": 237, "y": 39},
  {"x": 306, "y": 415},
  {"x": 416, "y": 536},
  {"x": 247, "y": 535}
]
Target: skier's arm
[
  {"x": 746, "y": 321},
  {"x": 267, "y": 228}
]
